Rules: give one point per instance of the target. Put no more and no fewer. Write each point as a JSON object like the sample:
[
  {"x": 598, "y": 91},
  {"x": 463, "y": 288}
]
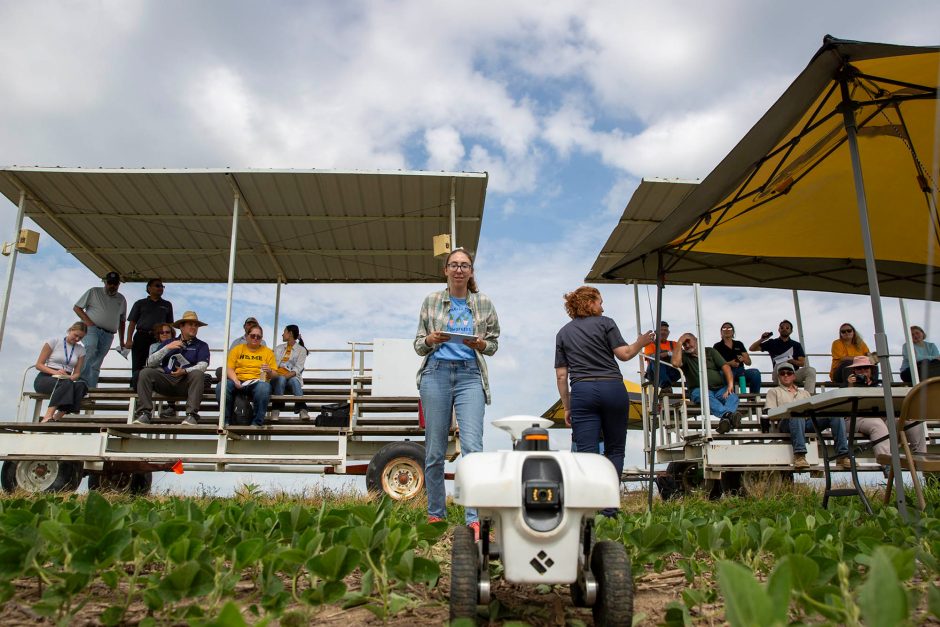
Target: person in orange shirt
[
  {"x": 844, "y": 350},
  {"x": 248, "y": 370},
  {"x": 668, "y": 376}
]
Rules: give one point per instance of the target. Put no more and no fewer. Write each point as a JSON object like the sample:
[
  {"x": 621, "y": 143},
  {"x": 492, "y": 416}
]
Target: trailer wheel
[
  {"x": 41, "y": 475},
  {"x": 136, "y": 483},
  {"x": 398, "y": 470},
  {"x": 610, "y": 566},
  {"x": 464, "y": 571}
]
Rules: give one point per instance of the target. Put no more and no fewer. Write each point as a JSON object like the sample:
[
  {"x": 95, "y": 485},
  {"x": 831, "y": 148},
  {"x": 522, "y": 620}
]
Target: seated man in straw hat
[{"x": 177, "y": 368}]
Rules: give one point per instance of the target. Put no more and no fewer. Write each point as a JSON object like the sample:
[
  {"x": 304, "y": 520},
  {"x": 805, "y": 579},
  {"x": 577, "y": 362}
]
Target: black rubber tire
[
  {"x": 136, "y": 483},
  {"x": 464, "y": 574},
  {"x": 670, "y": 485},
  {"x": 397, "y": 470},
  {"x": 66, "y": 476},
  {"x": 610, "y": 566}
]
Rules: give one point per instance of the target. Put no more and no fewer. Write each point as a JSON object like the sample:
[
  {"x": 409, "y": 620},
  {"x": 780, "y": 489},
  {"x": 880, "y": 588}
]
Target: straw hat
[
  {"x": 862, "y": 361},
  {"x": 189, "y": 316}
]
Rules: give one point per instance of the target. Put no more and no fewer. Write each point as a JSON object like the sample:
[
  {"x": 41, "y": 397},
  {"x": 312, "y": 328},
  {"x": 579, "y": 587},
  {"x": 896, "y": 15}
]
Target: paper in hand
[{"x": 124, "y": 352}]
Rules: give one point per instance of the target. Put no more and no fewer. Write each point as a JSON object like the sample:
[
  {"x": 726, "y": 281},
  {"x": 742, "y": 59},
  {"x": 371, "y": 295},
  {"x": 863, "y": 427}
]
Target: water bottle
[{"x": 742, "y": 385}]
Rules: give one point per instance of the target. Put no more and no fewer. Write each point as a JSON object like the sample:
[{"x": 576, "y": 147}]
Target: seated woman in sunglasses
[{"x": 248, "y": 370}]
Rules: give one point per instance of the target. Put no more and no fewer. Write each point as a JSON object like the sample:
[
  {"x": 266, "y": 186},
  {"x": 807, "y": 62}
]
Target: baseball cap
[
  {"x": 112, "y": 277},
  {"x": 784, "y": 365},
  {"x": 250, "y": 319},
  {"x": 663, "y": 323}
]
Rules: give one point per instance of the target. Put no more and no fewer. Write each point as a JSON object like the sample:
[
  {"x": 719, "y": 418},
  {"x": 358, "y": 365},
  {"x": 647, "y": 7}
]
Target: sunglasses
[
  {"x": 844, "y": 331},
  {"x": 785, "y": 373},
  {"x": 254, "y": 336},
  {"x": 165, "y": 333}
]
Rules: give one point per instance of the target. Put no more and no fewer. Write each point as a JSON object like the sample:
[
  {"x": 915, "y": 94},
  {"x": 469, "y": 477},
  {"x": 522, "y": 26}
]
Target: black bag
[
  {"x": 244, "y": 412},
  {"x": 333, "y": 415}
]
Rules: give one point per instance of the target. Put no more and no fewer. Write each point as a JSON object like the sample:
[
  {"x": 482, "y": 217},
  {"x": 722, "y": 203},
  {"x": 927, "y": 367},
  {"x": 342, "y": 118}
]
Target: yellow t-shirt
[
  {"x": 842, "y": 351},
  {"x": 281, "y": 370},
  {"x": 247, "y": 363}
]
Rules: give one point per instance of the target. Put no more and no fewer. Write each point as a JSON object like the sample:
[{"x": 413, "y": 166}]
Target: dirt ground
[{"x": 529, "y": 604}]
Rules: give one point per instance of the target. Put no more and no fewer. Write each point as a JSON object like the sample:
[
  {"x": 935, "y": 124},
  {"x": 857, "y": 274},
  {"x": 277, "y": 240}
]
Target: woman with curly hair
[
  {"x": 584, "y": 353},
  {"x": 847, "y": 347}
]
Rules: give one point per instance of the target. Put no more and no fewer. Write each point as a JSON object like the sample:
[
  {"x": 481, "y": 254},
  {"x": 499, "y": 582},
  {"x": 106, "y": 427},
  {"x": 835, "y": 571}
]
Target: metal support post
[
  {"x": 233, "y": 247},
  {"x": 909, "y": 344},
  {"x": 12, "y": 265},
  {"x": 277, "y": 311},
  {"x": 799, "y": 321},
  {"x": 702, "y": 373},
  {"x": 453, "y": 213},
  {"x": 881, "y": 339}
]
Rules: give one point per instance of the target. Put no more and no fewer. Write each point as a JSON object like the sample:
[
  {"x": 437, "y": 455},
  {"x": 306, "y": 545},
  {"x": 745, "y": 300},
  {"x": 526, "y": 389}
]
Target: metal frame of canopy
[
  {"x": 757, "y": 171},
  {"x": 382, "y": 205}
]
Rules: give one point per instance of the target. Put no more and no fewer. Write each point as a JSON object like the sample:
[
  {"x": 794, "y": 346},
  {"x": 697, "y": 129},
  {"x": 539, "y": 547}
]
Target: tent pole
[
  {"x": 909, "y": 343},
  {"x": 881, "y": 339},
  {"x": 702, "y": 373},
  {"x": 655, "y": 410},
  {"x": 644, "y": 406},
  {"x": 277, "y": 310},
  {"x": 453, "y": 213},
  {"x": 12, "y": 265},
  {"x": 799, "y": 320},
  {"x": 233, "y": 247}
]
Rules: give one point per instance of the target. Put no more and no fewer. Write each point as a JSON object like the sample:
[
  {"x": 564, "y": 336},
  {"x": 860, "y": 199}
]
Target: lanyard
[{"x": 68, "y": 355}]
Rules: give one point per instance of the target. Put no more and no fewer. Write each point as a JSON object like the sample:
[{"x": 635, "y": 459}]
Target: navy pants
[{"x": 600, "y": 407}]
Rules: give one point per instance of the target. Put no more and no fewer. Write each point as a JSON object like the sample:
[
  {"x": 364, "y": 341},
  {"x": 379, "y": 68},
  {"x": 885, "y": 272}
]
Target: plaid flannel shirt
[{"x": 434, "y": 314}]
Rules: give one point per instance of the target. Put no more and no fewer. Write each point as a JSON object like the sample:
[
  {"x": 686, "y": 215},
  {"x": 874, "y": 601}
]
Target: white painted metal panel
[{"x": 394, "y": 367}]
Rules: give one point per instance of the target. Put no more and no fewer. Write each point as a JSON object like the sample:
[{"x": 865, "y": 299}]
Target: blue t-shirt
[{"x": 460, "y": 320}]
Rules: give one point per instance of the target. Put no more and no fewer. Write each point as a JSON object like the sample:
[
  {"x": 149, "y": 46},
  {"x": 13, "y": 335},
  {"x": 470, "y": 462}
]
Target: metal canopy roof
[
  {"x": 652, "y": 202},
  {"x": 296, "y": 226}
]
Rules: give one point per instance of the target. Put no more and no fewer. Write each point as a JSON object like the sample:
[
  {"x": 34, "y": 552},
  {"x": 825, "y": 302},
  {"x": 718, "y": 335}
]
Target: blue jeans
[
  {"x": 716, "y": 405},
  {"x": 600, "y": 407},
  {"x": 97, "y": 344},
  {"x": 751, "y": 378},
  {"x": 667, "y": 374},
  {"x": 446, "y": 387},
  {"x": 799, "y": 426},
  {"x": 260, "y": 395},
  {"x": 294, "y": 384}
]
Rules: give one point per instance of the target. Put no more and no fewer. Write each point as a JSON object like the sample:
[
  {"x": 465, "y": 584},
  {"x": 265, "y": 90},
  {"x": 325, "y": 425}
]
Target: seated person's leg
[
  {"x": 837, "y": 426},
  {"x": 874, "y": 429},
  {"x": 297, "y": 389},
  {"x": 752, "y": 379},
  {"x": 261, "y": 395},
  {"x": 906, "y": 376},
  {"x": 229, "y": 397},
  {"x": 195, "y": 385},
  {"x": 916, "y": 438}
]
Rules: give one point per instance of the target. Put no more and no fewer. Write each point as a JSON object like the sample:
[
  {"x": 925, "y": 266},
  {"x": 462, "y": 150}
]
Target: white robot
[{"x": 541, "y": 506}]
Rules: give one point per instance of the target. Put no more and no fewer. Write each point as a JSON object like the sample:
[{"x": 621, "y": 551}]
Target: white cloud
[{"x": 445, "y": 150}]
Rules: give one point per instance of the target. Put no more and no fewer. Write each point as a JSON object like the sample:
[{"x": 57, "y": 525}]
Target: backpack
[
  {"x": 243, "y": 411},
  {"x": 333, "y": 415}
]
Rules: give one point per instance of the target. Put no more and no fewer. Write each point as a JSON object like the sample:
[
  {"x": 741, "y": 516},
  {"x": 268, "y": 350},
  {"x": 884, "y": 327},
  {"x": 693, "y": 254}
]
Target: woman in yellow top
[
  {"x": 844, "y": 350},
  {"x": 290, "y": 357},
  {"x": 248, "y": 369}
]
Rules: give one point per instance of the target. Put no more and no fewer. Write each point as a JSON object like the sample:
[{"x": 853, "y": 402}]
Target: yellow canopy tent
[
  {"x": 834, "y": 189},
  {"x": 556, "y": 412}
]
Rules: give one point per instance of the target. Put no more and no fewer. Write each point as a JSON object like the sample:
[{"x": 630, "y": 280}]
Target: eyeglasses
[
  {"x": 459, "y": 266},
  {"x": 844, "y": 331},
  {"x": 254, "y": 336},
  {"x": 785, "y": 373}
]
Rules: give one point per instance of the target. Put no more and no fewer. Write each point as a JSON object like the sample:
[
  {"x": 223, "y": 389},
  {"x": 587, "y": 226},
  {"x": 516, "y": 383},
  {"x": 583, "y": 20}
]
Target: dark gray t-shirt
[
  {"x": 147, "y": 313},
  {"x": 586, "y": 346}
]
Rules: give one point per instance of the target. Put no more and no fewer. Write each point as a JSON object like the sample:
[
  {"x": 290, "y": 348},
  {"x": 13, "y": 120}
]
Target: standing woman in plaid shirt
[{"x": 453, "y": 376}]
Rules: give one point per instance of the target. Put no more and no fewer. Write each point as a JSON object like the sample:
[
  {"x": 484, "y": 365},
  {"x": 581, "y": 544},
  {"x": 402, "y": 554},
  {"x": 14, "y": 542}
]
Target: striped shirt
[{"x": 435, "y": 312}]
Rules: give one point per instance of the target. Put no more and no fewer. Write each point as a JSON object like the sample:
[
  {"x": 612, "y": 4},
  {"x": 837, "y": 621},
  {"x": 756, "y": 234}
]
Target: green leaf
[
  {"x": 335, "y": 563},
  {"x": 180, "y": 579},
  {"x": 746, "y": 602},
  {"x": 882, "y": 598},
  {"x": 425, "y": 571},
  {"x": 248, "y": 552},
  {"x": 933, "y": 600},
  {"x": 779, "y": 586},
  {"x": 53, "y": 532},
  {"x": 97, "y": 511},
  {"x": 804, "y": 571},
  {"x": 112, "y": 615},
  {"x": 677, "y": 615},
  {"x": 230, "y": 616},
  {"x": 110, "y": 578}
]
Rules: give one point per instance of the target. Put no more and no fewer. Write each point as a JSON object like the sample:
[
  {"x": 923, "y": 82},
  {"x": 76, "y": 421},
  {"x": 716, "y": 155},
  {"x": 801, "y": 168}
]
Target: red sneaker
[
  {"x": 434, "y": 519},
  {"x": 475, "y": 525}
]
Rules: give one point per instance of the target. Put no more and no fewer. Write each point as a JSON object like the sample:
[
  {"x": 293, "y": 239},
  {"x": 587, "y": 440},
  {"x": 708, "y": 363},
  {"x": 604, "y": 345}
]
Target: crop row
[{"x": 183, "y": 560}]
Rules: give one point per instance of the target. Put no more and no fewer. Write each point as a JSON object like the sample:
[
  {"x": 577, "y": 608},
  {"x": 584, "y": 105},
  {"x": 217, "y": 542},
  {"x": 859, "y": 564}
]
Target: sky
[{"x": 566, "y": 105}]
